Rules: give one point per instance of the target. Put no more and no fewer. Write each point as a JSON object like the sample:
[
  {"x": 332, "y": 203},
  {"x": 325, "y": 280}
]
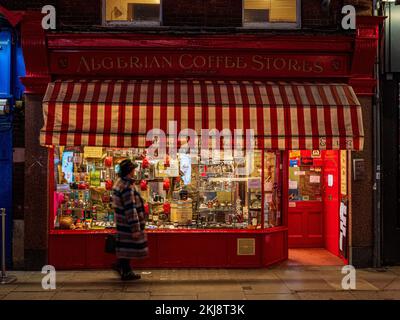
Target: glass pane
[
  {"x": 305, "y": 176},
  {"x": 188, "y": 192},
  {"x": 283, "y": 11},
  {"x": 272, "y": 189},
  {"x": 133, "y": 10}
]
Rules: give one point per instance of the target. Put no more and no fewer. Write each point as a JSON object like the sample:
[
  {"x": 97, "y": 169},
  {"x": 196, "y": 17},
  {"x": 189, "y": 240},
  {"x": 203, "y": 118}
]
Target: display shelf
[{"x": 186, "y": 230}]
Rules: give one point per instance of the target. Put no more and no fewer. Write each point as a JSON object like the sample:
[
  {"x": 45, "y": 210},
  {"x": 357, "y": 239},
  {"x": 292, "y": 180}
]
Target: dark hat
[{"x": 125, "y": 167}]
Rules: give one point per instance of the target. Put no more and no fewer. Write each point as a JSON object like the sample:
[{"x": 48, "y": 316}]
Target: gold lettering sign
[
  {"x": 92, "y": 152},
  {"x": 199, "y": 62},
  {"x": 343, "y": 172}
]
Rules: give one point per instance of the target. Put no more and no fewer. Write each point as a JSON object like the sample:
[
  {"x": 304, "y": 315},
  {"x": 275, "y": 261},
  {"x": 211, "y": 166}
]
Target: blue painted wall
[{"x": 11, "y": 68}]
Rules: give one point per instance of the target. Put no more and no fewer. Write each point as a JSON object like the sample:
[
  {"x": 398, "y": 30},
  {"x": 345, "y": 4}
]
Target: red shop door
[{"x": 306, "y": 210}]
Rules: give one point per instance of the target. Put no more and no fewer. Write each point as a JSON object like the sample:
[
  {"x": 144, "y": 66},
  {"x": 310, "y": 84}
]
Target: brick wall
[
  {"x": 69, "y": 12},
  {"x": 208, "y": 13},
  {"x": 314, "y": 15},
  {"x": 18, "y": 167},
  {"x": 194, "y": 13}
]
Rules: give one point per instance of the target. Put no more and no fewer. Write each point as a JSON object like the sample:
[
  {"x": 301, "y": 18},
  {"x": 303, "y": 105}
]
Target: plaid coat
[{"x": 129, "y": 213}]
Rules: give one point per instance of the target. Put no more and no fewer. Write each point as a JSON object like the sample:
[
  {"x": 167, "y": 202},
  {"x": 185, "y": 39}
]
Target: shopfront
[{"x": 214, "y": 130}]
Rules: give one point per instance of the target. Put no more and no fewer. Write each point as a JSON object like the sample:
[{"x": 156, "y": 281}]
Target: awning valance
[{"x": 282, "y": 115}]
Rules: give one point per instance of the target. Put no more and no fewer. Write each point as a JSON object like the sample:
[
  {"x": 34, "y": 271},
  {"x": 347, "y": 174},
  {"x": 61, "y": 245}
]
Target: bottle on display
[{"x": 94, "y": 213}]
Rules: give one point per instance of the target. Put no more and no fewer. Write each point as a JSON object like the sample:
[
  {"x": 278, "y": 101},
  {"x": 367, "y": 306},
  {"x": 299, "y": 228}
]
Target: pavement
[{"x": 286, "y": 281}]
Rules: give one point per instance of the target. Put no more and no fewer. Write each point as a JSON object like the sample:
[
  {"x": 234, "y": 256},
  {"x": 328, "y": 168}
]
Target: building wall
[
  {"x": 36, "y": 178},
  {"x": 83, "y": 15},
  {"x": 194, "y": 13},
  {"x": 361, "y": 193}
]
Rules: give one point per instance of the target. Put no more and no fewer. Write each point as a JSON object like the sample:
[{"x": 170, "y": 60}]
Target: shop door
[
  {"x": 305, "y": 214},
  {"x": 331, "y": 201}
]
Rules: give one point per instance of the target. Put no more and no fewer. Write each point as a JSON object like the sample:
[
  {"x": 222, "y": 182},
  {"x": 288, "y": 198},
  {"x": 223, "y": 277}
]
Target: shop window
[
  {"x": 142, "y": 12},
  {"x": 188, "y": 192},
  {"x": 271, "y": 13}
]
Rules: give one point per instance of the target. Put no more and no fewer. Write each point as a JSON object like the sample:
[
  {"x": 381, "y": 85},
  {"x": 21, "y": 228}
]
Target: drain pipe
[{"x": 377, "y": 194}]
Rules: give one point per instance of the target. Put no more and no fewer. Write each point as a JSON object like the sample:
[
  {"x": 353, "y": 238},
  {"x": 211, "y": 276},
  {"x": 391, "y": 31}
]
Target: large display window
[{"x": 186, "y": 192}]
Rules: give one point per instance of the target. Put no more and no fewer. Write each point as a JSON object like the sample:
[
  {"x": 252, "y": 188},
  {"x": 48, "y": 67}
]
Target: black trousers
[{"x": 125, "y": 265}]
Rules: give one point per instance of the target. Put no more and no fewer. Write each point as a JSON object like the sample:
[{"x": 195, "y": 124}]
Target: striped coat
[{"x": 129, "y": 213}]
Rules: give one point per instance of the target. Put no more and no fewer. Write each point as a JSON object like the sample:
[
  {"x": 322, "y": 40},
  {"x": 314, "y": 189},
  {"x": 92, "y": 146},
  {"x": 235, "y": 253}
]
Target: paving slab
[
  {"x": 272, "y": 296},
  {"x": 173, "y": 297},
  {"x": 307, "y": 284},
  {"x": 94, "y": 295},
  {"x": 394, "y": 285},
  {"x": 265, "y": 286},
  {"x": 220, "y": 287},
  {"x": 290, "y": 274},
  {"x": 7, "y": 288},
  {"x": 29, "y": 296},
  {"x": 221, "y": 295},
  {"x": 173, "y": 288},
  {"x": 366, "y": 295},
  {"x": 395, "y": 269},
  {"x": 389, "y": 295},
  {"x": 333, "y": 295},
  {"x": 137, "y": 286},
  {"x": 258, "y": 274},
  {"x": 380, "y": 280},
  {"x": 335, "y": 281},
  {"x": 125, "y": 296}
]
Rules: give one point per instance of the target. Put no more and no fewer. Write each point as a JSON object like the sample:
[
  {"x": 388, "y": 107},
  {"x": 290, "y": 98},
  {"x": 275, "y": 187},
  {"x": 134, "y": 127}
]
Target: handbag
[{"x": 111, "y": 243}]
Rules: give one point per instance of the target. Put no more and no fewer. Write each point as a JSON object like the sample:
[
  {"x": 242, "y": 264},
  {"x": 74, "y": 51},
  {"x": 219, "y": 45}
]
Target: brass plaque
[{"x": 246, "y": 247}]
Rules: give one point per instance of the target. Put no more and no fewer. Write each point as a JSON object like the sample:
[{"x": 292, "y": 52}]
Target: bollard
[{"x": 4, "y": 278}]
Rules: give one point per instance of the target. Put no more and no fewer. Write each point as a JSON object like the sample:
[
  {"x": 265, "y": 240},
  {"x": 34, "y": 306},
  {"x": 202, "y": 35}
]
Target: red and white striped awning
[{"x": 282, "y": 116}]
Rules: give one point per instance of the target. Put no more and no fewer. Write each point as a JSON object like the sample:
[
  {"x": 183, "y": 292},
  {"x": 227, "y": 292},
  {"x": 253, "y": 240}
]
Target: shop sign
[
  {"x": 293, "y": 163},
  {"x": 316, "y": 154},
  {"x": 343, "y": 172},
  {"x": 201, "y": 63},
  {"x": 343, "y": 230},
  {"x": 307, "y": 161},
  {"x": 93, "y": 152},
  {"x": 294, "y": 154}
]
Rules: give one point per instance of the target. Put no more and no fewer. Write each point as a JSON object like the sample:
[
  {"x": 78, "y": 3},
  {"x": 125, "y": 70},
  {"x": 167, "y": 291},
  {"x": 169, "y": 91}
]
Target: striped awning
[{"x": 282, "y": 116}]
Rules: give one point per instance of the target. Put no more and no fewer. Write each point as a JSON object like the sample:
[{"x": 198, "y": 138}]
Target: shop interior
[{"x": 317, "y": 194}]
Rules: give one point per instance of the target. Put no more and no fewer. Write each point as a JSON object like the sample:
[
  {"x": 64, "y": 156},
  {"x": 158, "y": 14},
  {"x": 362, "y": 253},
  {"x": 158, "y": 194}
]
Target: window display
[{"x": 182, "y": 193}]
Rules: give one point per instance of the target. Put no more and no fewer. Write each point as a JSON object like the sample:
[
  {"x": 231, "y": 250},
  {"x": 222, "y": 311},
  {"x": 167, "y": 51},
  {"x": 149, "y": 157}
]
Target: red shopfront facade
[{"x": 337, "y": 62}]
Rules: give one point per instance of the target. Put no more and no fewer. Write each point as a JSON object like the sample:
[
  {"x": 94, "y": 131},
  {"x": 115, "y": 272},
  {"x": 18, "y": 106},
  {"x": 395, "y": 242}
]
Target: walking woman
[{"x": 129, "y": 212}]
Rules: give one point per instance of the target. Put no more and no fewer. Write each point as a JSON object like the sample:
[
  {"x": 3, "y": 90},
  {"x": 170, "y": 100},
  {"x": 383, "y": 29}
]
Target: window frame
[
  {"x": 129, "y": 23},
  {"x": 274, "y": 25}
]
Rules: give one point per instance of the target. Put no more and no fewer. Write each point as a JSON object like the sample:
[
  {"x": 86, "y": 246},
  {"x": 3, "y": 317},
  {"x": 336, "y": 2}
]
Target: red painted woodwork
[
  {"x": 13, "y": 17},
  {"x": 275, "y": 247},
  {"x": 181, "y": 248},
  {"x": 35, "y": 54},
  {"x": 331, "y": 201},
  {"x": 306, "y": 224},
  {"x": 180, "y": 64}
]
